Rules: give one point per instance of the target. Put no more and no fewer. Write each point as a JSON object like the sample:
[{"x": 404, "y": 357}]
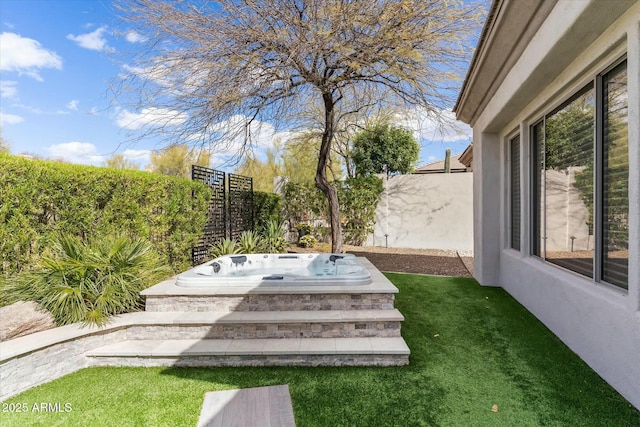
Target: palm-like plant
[
  {"x": 273, "y": 235},
  {"x": 223, "y": 247},
  {"x": 250, "y": 242},
  {"x": 90, "y": 281}
]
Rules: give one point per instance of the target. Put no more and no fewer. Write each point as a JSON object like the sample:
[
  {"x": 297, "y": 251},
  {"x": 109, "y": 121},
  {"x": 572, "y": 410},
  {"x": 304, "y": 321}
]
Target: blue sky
[{"x": 58, "y": 59}]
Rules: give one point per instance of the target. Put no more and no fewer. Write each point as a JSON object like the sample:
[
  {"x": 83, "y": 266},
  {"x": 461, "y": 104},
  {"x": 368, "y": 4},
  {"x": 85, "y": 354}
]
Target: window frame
[{"x": 537, "y": 244}]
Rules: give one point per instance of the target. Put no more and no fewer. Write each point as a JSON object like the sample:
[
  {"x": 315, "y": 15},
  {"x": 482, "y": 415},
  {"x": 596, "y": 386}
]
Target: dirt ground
[{"x": 406, "y": 260}]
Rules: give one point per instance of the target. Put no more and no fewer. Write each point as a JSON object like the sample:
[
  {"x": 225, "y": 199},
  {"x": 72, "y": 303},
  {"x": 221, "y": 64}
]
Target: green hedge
[
  {"x": 358, "y": 198},
  {"x": 40, "y": 200},
  {"x": 266, "y": 207}
]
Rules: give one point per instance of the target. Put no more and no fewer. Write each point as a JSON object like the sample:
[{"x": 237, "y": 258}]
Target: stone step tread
[
  {"x": 259, "y": 406},
  {"x": 303, "y": 316},
  {"x": 238, "y": 347}
]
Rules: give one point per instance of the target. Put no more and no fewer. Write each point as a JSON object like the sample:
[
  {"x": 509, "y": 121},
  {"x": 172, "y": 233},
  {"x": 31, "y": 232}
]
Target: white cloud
[
  {"x": 26, "y": 56},
  {"x": 8, "y": 88},
  {"x": 150, "y": 117},
  {"x": 135, "y": 155},
  {"x": 259, "y": 134},
  {"x": 427, "y": 127},
  {"x": 159, "y": 74},
  {"x": 39, "y": 111},
  {"x": 9, "y": 119},
  {"x": 134, "y": 37},
  {"x": 73, "y": 105},
  {"x": 76, "y": 152},
  {"x": 92, "y": 41}
]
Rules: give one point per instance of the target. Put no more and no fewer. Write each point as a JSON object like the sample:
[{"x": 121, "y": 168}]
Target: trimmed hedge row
[{"x": 40, "y": 200}]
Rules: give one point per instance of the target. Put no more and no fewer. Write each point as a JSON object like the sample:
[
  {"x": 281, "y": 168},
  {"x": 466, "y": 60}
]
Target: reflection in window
[
  {"x": 569, "y": 153},
  {"x": 580, "y": 182},
  {"x": 565, "y": 184},
  {"x": 615, "y": 197}
]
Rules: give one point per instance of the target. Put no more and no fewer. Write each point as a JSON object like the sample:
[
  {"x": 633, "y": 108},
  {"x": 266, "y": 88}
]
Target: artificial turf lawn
[{"x": 471, "y": 348}]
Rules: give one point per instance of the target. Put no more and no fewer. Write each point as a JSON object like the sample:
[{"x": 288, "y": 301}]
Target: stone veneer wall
[
  {"x": 28, "y": 370},
  {"x": 261, "y": 302},
  {"x": 43, "y": 365},
  {"x": 268, "y": 330}
]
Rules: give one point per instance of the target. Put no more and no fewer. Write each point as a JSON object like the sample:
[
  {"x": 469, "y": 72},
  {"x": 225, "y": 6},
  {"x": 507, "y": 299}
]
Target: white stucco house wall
[{"x": 553, "y": 97}]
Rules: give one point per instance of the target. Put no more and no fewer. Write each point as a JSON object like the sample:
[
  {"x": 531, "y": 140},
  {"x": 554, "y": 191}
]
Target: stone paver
[{"x": 259, "y": 406}]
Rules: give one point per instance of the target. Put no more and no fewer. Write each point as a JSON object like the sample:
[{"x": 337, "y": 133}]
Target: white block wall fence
[{"x": 426, "y": 211}]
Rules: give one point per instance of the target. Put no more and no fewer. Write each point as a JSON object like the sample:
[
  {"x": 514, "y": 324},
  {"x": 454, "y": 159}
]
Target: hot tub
[{"x": 277, "y": 270}]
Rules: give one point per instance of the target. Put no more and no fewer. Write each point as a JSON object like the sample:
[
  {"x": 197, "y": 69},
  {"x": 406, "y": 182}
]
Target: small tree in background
[
  {"x": 385, "y": 149},
  {"x": 119, "y": 161},
  {"x": 262, "y": 172},
  {"x": 4, "y": 145},
  {"x": 176, "y": 160}
]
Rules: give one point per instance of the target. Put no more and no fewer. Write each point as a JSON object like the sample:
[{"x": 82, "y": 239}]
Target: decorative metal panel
[
  {"x": 216, "y": 226},
  {"x": 240, "y": 205}
]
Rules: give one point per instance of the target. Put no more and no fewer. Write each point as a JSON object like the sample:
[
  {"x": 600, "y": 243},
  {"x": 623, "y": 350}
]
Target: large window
[{"x": 580, "y": 198}]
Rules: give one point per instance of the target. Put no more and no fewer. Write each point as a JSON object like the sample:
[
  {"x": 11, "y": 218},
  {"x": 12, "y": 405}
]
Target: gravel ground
[{"x": 408, "y": 260}]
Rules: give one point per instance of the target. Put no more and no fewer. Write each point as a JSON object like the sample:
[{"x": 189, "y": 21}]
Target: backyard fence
[
  {"x": 230, "y": 209},
  {"x": 426, "y": 211}
]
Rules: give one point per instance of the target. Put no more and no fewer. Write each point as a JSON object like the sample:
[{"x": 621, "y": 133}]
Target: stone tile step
[
  {"x": 231, "y": 317},
  {"x": 253, "y": 347},
  {"x": 259, "y": 406}
]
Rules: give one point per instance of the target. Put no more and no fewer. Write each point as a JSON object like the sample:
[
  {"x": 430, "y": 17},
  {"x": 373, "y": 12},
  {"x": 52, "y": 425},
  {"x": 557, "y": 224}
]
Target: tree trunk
[{"x": 322, "y": 182}]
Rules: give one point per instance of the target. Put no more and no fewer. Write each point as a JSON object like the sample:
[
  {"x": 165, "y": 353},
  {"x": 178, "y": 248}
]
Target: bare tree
[{"x": 215, "y": 70}]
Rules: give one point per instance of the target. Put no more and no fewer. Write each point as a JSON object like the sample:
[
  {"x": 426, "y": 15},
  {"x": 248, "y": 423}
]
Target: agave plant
[
  {"x": 224, "y": 247},
  {"x": 89, "y": 281},
  {"x": 250, "y": 242},
  {"x": 273, "y": 235}
]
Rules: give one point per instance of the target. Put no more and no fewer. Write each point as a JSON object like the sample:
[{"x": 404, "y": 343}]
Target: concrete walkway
[{"x": 260, "y": 406}]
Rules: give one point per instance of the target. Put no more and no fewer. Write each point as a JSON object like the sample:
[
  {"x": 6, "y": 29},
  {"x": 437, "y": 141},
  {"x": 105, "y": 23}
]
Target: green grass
[{"x": 471, "y": 348}]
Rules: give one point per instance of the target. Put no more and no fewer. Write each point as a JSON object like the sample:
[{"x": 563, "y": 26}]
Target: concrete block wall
[{"x": 426, "y": 211}]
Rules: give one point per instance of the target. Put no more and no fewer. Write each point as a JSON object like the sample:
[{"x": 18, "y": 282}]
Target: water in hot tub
[
  {"x": 290, "y": 265},
  {"x": 312, "y": 271}
]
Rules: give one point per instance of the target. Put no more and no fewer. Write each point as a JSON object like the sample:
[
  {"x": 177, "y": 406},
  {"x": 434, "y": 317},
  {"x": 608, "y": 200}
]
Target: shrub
[
  {"x": 224, "y": 247},
  {"x": 89, "y": 281},
  {"x": 250, "y": 242},
  {"x": 266, "y": 207},
  {"x": 303, "y": 202},
  {"x": 273, "y": 235},
  {"x": 304, "y": 227},
  {"x": 307, "y": 241},
  {"x": 358, "y": 198},
  {"x": 40, "y": 200}
]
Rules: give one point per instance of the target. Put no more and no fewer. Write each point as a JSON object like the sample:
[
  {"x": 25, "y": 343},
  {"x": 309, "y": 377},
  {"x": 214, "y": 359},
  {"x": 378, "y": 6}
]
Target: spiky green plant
[
  {"x": 224, "y": 247},
  {"x": 89, "y": 281},
  {"x": 273, "y": 235},
  {"x": 250, "y": 242}
]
